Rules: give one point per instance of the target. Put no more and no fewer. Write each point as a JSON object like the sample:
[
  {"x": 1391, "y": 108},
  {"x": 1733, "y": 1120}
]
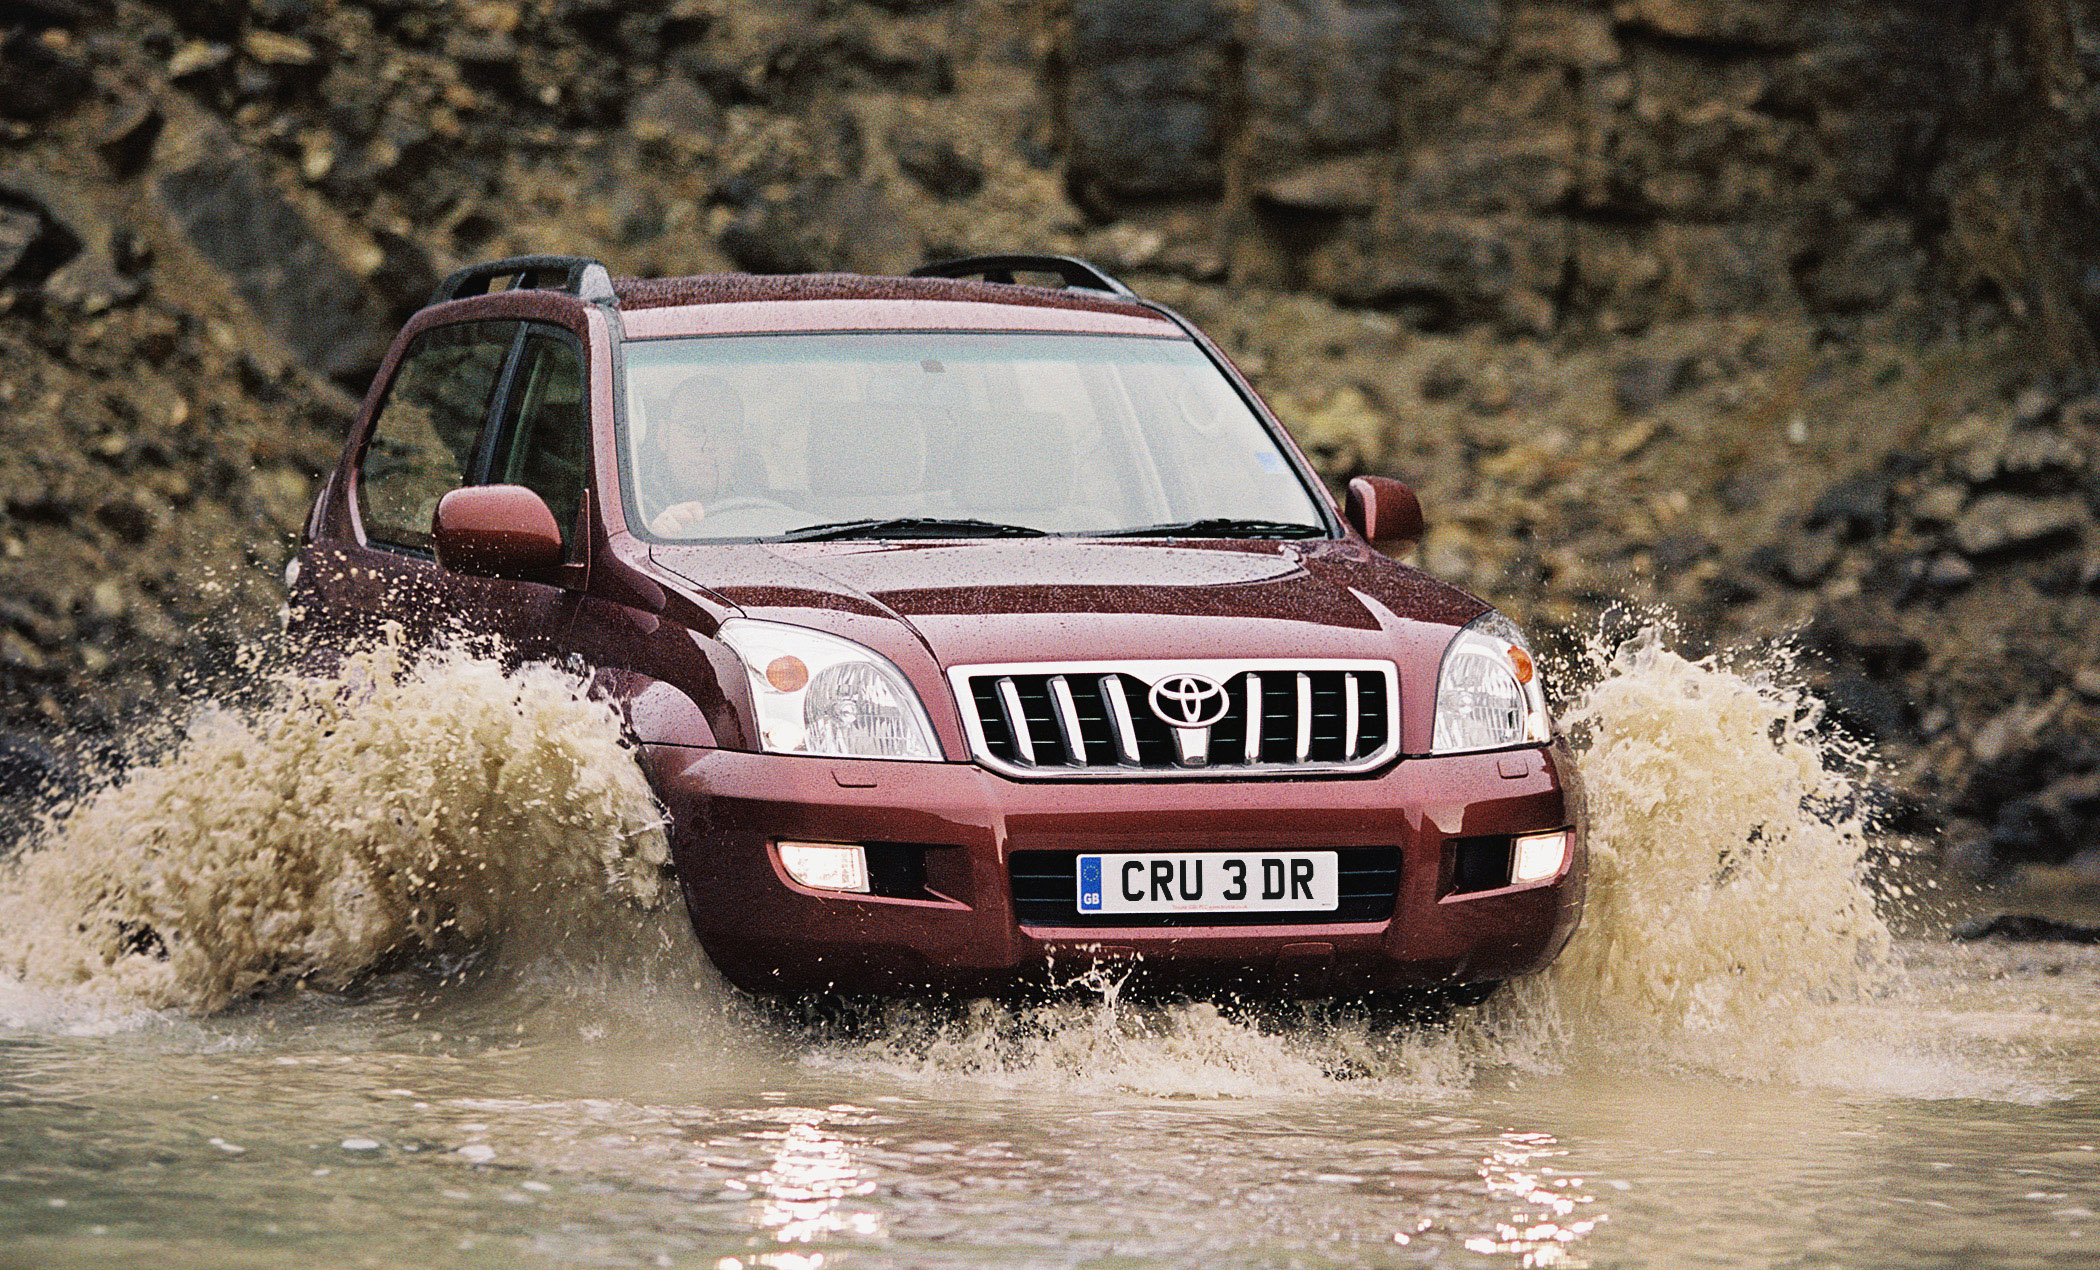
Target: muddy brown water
[{"x": 1755, "y": 1055}]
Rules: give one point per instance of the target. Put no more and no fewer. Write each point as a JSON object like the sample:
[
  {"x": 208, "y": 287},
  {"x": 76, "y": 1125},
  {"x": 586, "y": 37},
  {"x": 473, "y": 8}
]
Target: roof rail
[
  {"x": 1073, "y": 271},
  {"x": 580, "y": 276}
]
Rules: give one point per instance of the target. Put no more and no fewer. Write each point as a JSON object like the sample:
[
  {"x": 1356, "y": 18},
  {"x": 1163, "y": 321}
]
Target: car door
[{"x": 469, "y": 402}]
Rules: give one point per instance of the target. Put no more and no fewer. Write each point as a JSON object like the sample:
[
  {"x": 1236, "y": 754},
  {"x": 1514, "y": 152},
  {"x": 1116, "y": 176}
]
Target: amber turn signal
[
  {"x": 787, "y": 674},
  {"x": 1522, "y": 661}
]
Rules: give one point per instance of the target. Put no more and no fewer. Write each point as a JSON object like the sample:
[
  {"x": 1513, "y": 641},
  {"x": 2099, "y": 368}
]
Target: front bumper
[{"x": 960, "y": 933}]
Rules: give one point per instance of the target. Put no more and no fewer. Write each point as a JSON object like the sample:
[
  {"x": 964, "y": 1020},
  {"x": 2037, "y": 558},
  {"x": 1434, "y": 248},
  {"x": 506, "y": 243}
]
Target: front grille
[
  {"x": 1046, "y": 893},
  {"x": 1095, "y": 719}
]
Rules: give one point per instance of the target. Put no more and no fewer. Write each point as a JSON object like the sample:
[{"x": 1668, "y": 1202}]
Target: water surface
[{"x": 371, "y": 1035}]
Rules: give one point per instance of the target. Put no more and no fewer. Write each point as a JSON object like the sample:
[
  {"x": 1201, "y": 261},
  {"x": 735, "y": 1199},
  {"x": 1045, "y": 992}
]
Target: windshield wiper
[
  {"x": 1217, "y": 527},
  {"x": 907, "y": 527}
]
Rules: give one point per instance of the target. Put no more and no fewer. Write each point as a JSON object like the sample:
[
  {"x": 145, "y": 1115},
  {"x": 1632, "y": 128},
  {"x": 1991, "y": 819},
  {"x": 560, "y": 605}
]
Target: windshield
[{"x": 914, "y": 434}]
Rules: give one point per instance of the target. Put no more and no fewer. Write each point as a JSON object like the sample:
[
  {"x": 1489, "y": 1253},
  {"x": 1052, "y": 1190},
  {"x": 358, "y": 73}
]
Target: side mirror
[
  {"x": 497, "y": 531},
  {"x": 1385, "y": 511}
]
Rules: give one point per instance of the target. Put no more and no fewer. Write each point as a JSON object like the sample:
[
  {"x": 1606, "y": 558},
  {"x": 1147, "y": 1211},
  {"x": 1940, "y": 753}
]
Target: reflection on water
[
  {"x": 1546, "y": 1222},
  {"x": 1736, "y": 1064},
  {"x": 802, "y": 1193}
]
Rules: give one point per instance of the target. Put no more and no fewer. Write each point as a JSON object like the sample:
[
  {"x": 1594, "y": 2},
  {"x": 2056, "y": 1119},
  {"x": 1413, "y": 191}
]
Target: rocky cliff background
[{"x": 1773, "y": 316}]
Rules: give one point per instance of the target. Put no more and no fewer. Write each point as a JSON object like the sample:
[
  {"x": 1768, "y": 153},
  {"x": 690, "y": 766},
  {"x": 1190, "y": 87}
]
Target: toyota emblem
[{"x": 1188, "y": 701}]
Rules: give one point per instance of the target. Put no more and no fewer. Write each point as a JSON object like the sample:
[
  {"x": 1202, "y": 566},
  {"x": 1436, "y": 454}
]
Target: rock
[
  {"x": 1563, "y": 35},
  {"x": 2039, "y": 453},
  {"x": 1869, "y": 708},
  {"x": 2081, "y": 414},
  {"x": 1764, "y": 23},
  {"x": 128, "y": 134},
  {"x": 1508, "y": 170},
  {"x": 1144, "y": 128},
  {"x": 1872, "y": 149},
  {"x": 273, "y": 48},
  {"x": 197, "y": 57},
  {"x": 129, "y": 519},
  {"x": 1446, "y": 379},
  {"x": 298, "y": 289},
  {"x": 1636, "y": 275},
  {"x": 1948, "y": 572},
  {"x": 1867, "y": 267},
  {"x": 936, "y": 164},
  {"x": 1997, "y": 735},
  {"x": 20, "y": 229},
  {"x": 1344, "y": 433},
  {"x": 1808, "y": 558},
  {"x": 2025, "y": 928},
  {"x": 1320, "y": 75},
  {"x": 482, "y": 48},
  {"x": 1978, "y": 462},
  {"x": 2051, "y": 824},
  {"x": 677, "y": 113},
  {"x": 1940, "y": 504},
  {"x": 1858, "y": 507},
  {"x": 1477, "y": 24},
  {"x": 2033, "y": 406},
  {"x": 43, "y": 81},
  {"x": 1643, "y": 383},
  {"x": 63, "y": 12},
  {"x": 1347, "y": 184},
  {"x": 2004, "y": 522},
  {"x": 1471, "y": 266},
  {"x": 1142, "y": 102},
  {"x": 1110, "y": 29},
  {"x": 70, "y": 259}
]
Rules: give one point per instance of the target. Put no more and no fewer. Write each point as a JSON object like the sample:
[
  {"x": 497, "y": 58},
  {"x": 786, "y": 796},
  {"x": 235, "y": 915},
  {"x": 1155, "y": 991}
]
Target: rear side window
[
  {"x": 422, "y": 444},
  {"x": 546, "y": 446}
]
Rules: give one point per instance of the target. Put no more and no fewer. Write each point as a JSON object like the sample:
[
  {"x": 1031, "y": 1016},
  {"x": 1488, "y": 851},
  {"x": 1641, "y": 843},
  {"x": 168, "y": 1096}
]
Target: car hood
[{"x": 980, "y": 601}]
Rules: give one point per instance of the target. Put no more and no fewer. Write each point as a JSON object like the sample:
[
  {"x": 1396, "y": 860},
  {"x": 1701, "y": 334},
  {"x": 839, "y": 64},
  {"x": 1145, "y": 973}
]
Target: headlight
[
  {"x": 1488, "y": 694},
  {"x": 819, "y": 694}
]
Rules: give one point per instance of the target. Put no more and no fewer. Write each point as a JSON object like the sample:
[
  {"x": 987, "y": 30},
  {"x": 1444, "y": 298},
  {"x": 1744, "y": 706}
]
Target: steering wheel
[
  {"x": 739, "y": 516},
  {"x": 742, "y": 502}
]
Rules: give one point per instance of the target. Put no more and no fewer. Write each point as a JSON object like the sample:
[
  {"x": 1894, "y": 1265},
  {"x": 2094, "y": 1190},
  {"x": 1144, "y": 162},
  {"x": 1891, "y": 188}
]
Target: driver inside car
[{"x": 700, "y": 456}]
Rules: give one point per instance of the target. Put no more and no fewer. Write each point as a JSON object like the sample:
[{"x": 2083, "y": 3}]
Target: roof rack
[
  {"x": 1074, "y": 272},
  {"x": 579, "y": 276}
]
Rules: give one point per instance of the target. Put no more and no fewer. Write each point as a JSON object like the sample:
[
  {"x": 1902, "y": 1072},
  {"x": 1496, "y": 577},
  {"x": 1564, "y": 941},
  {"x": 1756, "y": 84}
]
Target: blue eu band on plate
[{"x": 1209, "y": 882}]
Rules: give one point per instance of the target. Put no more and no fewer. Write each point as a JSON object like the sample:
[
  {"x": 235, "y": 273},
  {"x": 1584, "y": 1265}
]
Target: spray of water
[
  {"x": 448, "y": 805},
  {"x": 396, "y": 807},
  {"x": 1730, "y": 921},
  {"x": 1731, "y": 929}
]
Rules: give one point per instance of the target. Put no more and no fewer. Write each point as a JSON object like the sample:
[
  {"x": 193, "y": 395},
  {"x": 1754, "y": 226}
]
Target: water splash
[
  {"x": 450, "y": 806},
  {"x": 399, "y": 806},
  {"x": 1730, "y": 923},
  {"x": 1732, "y": 928}
]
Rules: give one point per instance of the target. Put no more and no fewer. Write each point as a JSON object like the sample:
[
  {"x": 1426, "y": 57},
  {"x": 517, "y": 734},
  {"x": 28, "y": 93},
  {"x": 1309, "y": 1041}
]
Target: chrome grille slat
[
  {"x": 1252, "y": 710},
  {"x": 1068, "y": 721},
  {"x": 1351, "y": 714},
  {"x": 1101, "y": 720},
  {"x": 1016, "y": 719},
  {"x": 1119, "y": 714},
  {"x": 1305, "y": 716}
]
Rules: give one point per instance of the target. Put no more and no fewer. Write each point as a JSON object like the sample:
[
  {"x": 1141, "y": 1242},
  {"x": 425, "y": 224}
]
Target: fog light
[
  {"x": 1538, "y": 857},
  {"x": 826, "y": 866}
]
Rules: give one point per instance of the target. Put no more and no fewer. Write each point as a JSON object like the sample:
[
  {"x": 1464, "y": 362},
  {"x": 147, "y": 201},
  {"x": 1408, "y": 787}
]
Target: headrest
[
  {"x": 859, "y": 449},
  {"x": 1016, "y": 461}
]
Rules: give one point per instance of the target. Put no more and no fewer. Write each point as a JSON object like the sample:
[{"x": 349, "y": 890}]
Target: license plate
[{"x": 1209, "y": 882}]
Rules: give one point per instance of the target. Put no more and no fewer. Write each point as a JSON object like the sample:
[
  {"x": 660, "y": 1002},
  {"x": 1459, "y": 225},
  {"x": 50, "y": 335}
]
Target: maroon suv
[{"x": 971, "y": 633}]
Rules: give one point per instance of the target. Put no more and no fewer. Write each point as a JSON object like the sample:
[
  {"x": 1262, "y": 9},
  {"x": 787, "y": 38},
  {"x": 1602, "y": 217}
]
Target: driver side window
[{"x": 423, "y": 442}]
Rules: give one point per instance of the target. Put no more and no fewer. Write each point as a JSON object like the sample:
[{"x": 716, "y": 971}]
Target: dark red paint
[{"x": 645, "y": 618}]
